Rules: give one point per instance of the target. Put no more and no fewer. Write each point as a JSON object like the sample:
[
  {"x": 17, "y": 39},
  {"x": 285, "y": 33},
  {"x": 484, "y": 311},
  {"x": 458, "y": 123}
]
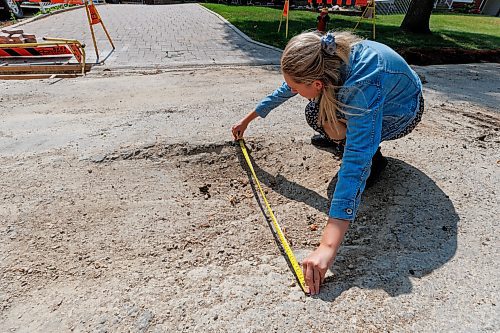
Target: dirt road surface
[{"x": 125, "y": 207}]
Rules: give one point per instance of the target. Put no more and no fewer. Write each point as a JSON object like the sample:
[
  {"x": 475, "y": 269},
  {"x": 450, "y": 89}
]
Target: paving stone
[{"x": 142, "y": 34}]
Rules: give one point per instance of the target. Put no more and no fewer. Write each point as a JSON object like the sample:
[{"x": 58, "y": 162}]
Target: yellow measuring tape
[{"x": 284, "y": 243}]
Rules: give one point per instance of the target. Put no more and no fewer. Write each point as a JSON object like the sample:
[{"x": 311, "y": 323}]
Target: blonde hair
[{"x": 304, "y": 61}]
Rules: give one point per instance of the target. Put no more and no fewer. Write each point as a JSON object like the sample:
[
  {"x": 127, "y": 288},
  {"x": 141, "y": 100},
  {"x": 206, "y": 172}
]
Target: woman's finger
[
  {"x": 317, "y": 279},
  {"x": 236, "y": 132},
  {"x": 309, "y": 277},
  {"x": 304, "y": 271}
]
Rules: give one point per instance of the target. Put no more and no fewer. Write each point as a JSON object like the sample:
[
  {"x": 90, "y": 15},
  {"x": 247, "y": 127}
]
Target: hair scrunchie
[{"x": 328, "y": 43}]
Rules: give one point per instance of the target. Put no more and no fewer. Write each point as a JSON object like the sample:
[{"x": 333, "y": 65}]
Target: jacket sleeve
[
  {"x": 273, "y": 100},
  {"x": 362, "y": 105}
]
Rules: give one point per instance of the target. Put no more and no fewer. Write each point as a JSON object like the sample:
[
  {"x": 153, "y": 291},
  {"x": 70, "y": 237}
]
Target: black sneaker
[
  {"x": 326, "y": 144},
  {"x": 379, "y": 163},
  {"x": 319, "y": 140}
]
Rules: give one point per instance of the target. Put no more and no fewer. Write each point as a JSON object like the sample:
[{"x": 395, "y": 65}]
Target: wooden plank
[
  {"x": 37, "y": 76},
  {"x": 42, "y": 69}
]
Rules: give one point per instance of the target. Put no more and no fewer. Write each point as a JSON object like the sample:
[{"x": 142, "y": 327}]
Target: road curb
[
  {"x": 133, "y": 68},
  {"x": 239, "y": 32}
]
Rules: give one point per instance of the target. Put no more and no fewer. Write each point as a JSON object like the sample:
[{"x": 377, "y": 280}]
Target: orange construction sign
[
  {"x": 94, "y": 15},
  {"x": 76, "y": 52},
  {"x": 93, "y": 19},
  {"x": 285, "y": 9}
]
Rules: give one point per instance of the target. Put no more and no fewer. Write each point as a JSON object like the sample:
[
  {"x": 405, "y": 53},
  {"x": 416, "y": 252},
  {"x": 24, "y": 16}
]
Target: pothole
[
  {"x": 217, "y": 198},
  {"x": 220, "y": 218},
  {"x": 162, "y": 150}
]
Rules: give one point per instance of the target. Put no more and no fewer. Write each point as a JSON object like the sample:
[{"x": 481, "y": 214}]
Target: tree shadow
[
  {"x": 421, "y": 49},
  {"x": 387, "y": 33},
  {"x": 406, "y": 228},
  {"x": 475, "y": 83}
]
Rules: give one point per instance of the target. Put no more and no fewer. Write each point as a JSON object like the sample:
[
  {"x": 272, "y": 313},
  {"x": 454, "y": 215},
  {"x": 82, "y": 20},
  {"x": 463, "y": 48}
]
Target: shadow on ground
[
  {"x": 442, "y": 46},
  {"x": 454, "y": 82},
  {"x": 406, "y": 228},
  {"x": 257, "y": 54}
]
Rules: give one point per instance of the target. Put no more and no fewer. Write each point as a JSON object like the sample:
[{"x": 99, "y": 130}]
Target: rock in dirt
[
  {"x": 313, "y": 227},
  {"x": 145, "y": 320},
  {"x": 205, "y": 188}
]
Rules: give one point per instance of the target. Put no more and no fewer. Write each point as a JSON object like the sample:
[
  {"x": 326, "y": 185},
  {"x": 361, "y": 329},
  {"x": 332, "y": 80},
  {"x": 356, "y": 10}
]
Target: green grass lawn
[{"x": 473, "y": 32}]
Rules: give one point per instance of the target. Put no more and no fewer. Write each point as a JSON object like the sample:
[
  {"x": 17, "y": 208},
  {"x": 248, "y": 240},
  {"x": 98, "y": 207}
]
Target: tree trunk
[{"x": 417, "y": 17}]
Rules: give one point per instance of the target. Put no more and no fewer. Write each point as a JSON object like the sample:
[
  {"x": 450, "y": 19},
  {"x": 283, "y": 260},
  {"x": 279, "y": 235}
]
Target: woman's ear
[{"x": 318, "y": 85}]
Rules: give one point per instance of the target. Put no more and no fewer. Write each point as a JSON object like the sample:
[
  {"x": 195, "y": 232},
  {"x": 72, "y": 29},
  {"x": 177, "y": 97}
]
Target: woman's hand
[
  {"x": 239, "y": 128},
  {"x": 317, "y": 263}
]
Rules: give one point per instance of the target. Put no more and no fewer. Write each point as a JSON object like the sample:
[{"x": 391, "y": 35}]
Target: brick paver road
[{"x": 163, "y": 36}]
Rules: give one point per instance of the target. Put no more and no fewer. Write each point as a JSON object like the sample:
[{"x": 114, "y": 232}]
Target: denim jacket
[{"x": 380, "y": 98}]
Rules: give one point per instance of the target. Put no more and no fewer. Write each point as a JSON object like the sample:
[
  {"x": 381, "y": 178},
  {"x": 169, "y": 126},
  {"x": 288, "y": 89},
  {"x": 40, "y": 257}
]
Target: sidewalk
[{"x": 157, "y": 36}]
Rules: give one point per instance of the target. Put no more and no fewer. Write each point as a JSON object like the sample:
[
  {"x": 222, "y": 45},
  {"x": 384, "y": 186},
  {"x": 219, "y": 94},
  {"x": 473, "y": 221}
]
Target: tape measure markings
[{"x": 284, "y": 243}]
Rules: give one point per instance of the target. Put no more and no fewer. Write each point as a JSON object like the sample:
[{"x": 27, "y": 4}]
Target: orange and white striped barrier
[{"x": 93, "y": 17}]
